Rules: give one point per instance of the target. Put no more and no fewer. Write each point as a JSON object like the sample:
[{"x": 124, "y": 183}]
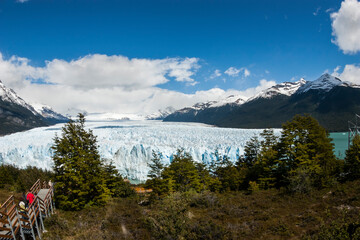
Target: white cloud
[
  {"x": 336, "y": 70},
  {"x": 317, "y": 11},
  {"x": 246, "y": 72},
  {"x": 263, "y": 84},
  {"x": 346, "y": 26},
  {"x": 100, "y": 83},
  {"x": 350, "y": 73},
  {"x": 110, "y": 71},
  {"x": 234, "y": 72},
  {"x": 216, "y": 74}
]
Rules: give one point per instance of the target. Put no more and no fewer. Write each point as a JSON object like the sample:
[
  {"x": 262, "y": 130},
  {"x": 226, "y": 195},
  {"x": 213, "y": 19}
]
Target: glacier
[{"x": 129, "y": 144}]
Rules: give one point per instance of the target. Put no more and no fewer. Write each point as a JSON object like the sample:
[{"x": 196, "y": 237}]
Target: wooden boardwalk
[{"x": 16, "y": 223}]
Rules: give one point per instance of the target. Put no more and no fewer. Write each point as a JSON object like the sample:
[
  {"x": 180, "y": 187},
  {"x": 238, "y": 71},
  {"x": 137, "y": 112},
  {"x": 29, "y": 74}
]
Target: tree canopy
[
  {"x": 78, "y": 168},
  {"x": 301, "y": 158}
]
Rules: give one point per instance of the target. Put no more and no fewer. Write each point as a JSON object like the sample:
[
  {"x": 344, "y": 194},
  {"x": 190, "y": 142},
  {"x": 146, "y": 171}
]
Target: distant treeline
[{"x": 16, "y": 179}]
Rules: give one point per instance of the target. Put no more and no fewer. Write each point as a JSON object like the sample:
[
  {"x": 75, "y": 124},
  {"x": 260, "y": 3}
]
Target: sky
[{"x": 139, "y": 56}]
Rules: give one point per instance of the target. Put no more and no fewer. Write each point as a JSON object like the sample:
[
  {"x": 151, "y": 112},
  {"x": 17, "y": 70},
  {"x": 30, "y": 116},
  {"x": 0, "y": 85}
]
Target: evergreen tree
[
  {"x": 251, "y": 153},
  {"x": 182, "y": 174},
  {"x": 267, "y": 163},
  {"x": 155, "y": 165},
  {"x": 78, "y": 168},
  {"x": 304, "y": 143},
  {"x": 208, "y": 181},
  {"x": 155, "y": 181},
  {"x": 224, "y": 172},
  {"x": 352, "y": 160},
  {"x": 115, "y": 182}
]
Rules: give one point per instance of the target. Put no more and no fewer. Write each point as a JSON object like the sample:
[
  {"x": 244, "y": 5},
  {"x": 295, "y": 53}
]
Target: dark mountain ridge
[
  {"x": 332, "y": 102},
  {"x": 17, "y": 115}
]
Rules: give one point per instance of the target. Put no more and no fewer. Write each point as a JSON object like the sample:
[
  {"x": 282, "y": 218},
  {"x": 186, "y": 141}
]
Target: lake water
[{"x": 340, "y": 140}]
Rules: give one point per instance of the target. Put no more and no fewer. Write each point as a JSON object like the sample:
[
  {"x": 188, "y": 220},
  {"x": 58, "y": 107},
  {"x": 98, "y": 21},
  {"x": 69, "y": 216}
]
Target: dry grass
[
  {"x": 119, "y": 219},
  {"x": 5, "y": 194},
  {"x": 262, "y": 215}
]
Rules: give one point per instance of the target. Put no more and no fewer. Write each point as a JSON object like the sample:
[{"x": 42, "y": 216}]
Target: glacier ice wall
[{"x": 130, "y": 144}]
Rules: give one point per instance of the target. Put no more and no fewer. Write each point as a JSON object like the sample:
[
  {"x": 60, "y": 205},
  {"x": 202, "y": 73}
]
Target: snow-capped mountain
[
  {"x": 285, "y": 88},
  {"x": 9, "y": 95},
  {"x": 18, "y": 115},
  {"x": 331, "y": 101},
  {"x": 48, "y": 113},
  {"x": 232, "y": 99},
  {"x": 161, "y": 114},
  {"x": 324, "y": 83}
]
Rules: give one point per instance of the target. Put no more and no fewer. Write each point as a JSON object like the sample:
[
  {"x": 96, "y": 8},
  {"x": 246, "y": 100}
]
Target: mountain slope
[
  {"x": 208, "y": 112},
  {"x": 17, "y": 115},
  {"x": 49, "y": 114},
  {"x": 331, "y": 101},
  {"x": 161, "y": 114}
]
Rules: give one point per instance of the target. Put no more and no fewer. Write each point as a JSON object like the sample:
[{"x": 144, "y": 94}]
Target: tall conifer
[{"x": 78, "y": 168}]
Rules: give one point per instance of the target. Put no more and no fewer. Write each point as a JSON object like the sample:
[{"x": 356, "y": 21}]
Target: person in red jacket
[{"x": 30, "y": 197}]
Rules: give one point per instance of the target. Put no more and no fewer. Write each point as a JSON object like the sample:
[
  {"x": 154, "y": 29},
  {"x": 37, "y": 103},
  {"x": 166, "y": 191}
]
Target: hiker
[
  {"x": 30, "y": 197},
  {"x": 23, "y": 210},
  {"x": 23, "y": 198}
]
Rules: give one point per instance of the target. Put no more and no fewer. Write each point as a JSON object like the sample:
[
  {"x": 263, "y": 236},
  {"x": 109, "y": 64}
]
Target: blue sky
[{"x": 273, "y": 40}]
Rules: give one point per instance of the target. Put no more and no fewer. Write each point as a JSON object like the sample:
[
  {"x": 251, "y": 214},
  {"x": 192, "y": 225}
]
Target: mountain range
[
  {"x": 18, "y": 115},
  {"x": 330, "y": 100}
]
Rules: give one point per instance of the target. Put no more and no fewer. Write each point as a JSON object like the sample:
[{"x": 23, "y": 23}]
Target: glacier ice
[{"x": 130, "y": 144}]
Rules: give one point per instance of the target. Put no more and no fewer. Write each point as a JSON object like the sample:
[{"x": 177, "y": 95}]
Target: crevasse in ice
[{"x": 130, "y": 144}]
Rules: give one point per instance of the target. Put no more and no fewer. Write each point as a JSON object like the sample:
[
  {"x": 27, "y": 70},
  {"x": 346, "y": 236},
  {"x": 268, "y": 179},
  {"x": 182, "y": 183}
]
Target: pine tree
[
  {"x": 267, "y": 159},
  {"x": 78, "y": 168},
  {"x": 182, "y": 174},
  {"x": 155, "y": 181},
  {"x": 252, "y": 150},
  {"x": 304, "y": 143},
  {"x": 115, "y": 182},
  {"x": 156, "y": 166},
  {"x": 352, "y": 160}
]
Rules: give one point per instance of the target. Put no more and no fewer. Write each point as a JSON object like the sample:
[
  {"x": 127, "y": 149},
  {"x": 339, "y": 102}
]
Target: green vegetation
[
  {"x": 299, "y": 160},
  {"x": 352, "y": 159},
  {"x": 286, "y": 187},
  {"x": 265, "y": 214},
  {"x": 82, "y": 179},
  {"x": 15, "y": 179}
]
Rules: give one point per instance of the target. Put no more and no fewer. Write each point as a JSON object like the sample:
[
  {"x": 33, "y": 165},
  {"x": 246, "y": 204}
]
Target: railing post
[
  {"x": 40, "y": 214},
  {"x": 12, "y": 230},
  {"x": 19, "y": 221},
  {"x": 36, "y": 223}
]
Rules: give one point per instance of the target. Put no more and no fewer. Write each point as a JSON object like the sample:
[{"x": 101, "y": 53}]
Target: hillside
[
  {"x": 332, "y": 102},
  {"x": 269, "y": 214},
  {"x": 17, "y": 115}
]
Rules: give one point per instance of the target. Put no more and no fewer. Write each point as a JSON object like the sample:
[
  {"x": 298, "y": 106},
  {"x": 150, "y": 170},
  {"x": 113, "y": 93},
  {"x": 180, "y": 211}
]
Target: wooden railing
[
  {"x": 17, "y": 222},
  {"x": 36, "y": 187}
]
